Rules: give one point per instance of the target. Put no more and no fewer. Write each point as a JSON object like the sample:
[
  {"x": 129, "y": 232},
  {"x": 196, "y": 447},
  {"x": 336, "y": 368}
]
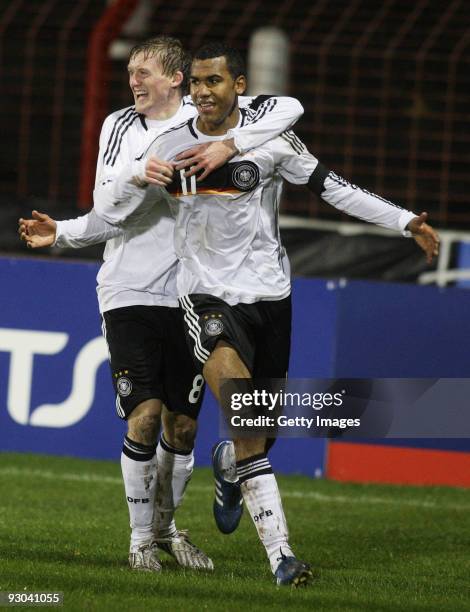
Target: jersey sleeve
[
  {"x": 364, "y": 205},
  {"x": 84, "y": 231},
  {"x": 296, "y": 165},
  {"x": 267, "y": 117},
  {"x": 292, "y": 159},
  {"x": 119, "y": 185}
]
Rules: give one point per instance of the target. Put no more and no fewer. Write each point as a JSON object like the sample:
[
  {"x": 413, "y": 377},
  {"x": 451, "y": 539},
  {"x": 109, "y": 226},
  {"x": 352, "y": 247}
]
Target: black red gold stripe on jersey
[
  {"x": 218, "y": 192},
  {"x": 231, "y": 178}
]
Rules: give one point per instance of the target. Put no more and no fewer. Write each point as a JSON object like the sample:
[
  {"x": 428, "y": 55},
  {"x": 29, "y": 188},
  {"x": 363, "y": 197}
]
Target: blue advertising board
[
  {"x": 56, "y": 395},
  {"x": 404, "y": 331}
]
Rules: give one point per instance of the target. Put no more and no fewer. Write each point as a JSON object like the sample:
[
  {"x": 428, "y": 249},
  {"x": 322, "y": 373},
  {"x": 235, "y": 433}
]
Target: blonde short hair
[{"x": 169, "y": 52}]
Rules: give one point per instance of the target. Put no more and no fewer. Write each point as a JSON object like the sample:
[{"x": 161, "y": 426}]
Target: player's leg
[
  {"x": 139, "y": 472},
  {"x": 271, "y": 364},
  {"x": 224, "y": 341},
  {"x": 183, "y": 387},
  {"x": 134, "y": 357},
  {"x": 175, "y": 461},
  {"x": 273, "y": 340},
  {"x": 208, "y": 320},
  {"x": 257, "y": 481},
  {"x": 224, "y": 362}
]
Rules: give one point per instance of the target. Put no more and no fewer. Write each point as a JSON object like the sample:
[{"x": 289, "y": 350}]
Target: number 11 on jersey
[{"x": 184, "y": 184}]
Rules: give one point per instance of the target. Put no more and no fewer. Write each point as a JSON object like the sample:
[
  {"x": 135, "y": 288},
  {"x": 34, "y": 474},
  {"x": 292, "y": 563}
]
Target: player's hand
[
  {"x": 424, "y": 236},
  {"x": 207, "y": 157},
  {"x": 40, "y": 231},
  {"x": 158, "y": 172}
]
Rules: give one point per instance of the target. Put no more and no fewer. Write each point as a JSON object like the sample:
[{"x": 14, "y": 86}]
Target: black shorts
[
  {"x": 259, "y": 332},
  {"x": 150, "y": 359}
]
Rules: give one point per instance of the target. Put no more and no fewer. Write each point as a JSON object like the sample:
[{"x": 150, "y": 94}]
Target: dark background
[{"x": 385, "y": 86}]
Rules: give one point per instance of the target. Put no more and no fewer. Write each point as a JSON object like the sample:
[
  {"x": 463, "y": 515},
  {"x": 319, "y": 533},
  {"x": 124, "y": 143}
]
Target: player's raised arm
[
  {"x": 298, "y": 166},
  {"x": 121, "y": 182},
  {"x": 266, "y": 118},
  {"x": 83, "y": 231}
]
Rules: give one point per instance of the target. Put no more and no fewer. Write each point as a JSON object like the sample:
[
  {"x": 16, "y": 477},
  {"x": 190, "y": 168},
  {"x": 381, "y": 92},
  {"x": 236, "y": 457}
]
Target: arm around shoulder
[{"x": 267, "y": 118}]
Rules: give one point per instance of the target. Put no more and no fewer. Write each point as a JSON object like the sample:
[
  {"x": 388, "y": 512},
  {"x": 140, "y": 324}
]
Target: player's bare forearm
[{"x": 206, "y": 157}]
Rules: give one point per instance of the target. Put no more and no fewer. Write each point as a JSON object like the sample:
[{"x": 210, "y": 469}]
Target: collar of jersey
[
  {"x": 161, "y": 124},
  {"x": 203, "y": 136}
]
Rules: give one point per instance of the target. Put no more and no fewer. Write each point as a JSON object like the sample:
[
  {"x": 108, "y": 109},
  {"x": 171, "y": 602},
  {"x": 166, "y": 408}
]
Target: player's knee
[
  {"x": 144, "y": 423},
  {"x": 144, "y": 429},
  {"x": 183, "y": 432}
]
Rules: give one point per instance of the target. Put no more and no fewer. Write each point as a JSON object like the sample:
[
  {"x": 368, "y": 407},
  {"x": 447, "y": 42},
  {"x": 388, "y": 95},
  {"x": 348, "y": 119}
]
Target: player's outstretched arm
[
  {"x": 425, "y": 236},
  {"x": 38, "y": 232},
  {"x": 298, "y": 166},
  {"x": 367, "y": 206},
  {"x": 267, "y": 118},
  {"x": 83, "y": 231}
]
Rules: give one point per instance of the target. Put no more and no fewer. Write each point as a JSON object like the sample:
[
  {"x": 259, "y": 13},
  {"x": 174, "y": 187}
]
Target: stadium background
[{"x": 385, "y": 90}]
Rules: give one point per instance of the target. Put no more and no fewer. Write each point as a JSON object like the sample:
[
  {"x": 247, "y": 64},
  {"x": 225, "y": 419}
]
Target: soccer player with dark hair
[
  {"x": 232, "y": 279},
  {"x": 150, "y": 362}
]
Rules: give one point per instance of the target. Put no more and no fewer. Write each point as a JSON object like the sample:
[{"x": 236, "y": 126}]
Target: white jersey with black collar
[
  {"x": 227, "y": 235},
  {"x": 139, "y": 260}
]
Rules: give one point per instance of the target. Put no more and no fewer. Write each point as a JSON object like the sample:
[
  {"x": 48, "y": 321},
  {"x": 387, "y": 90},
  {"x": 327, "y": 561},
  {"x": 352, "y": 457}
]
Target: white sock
[
  {"x": 139, "y": 471},
  {"x": 174, "y": 468},
  {"x": 261, "y": 495}
]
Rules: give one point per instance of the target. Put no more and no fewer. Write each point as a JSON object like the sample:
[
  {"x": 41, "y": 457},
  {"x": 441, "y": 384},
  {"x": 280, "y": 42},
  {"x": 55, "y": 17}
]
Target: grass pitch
[{"x": 64, "y": 527}]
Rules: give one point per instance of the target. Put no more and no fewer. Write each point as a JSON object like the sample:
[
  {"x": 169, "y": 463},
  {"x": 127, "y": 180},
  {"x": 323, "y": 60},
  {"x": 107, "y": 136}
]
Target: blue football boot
[
  {"x": 228, "y": 502},
  {"x": 292, "y": 571}
]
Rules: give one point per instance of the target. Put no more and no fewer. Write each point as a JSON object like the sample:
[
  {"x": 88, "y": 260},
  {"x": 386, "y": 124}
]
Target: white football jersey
[
  {"x": 227, "y": 234},
  {"x": 139, "y": 260}
]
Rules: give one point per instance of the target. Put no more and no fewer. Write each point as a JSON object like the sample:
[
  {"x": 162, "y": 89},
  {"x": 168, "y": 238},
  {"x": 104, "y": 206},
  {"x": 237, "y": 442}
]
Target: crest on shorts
[
  {"x": 214, "y": 326},
  {"x": 124, "y": 386},
  {"x": 245, "y": 175}
]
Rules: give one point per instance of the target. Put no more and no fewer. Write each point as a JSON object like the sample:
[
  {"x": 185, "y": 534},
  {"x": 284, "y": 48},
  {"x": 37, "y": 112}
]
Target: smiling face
[
  {"x": 150, "y": 87},
  {"x": 215, "y": 93}
]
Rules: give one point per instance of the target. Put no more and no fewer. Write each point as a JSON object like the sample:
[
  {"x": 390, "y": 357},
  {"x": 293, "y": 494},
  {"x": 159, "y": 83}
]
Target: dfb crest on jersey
[
  {"x": 213, "y": 326},
  {"x": 124, "y": 386},
  {"x": 245, "y": 175}
]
